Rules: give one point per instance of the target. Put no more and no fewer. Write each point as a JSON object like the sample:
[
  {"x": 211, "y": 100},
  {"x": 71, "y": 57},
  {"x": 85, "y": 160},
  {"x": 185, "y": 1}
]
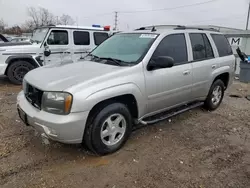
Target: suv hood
[
  {"x": 59, "y": 77},
  {"x": 32, "y": 48}
]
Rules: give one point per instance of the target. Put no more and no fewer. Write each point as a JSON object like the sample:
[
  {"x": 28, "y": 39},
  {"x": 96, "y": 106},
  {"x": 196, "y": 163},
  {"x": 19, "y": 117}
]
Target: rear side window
[
  {"x": 173, "y": 46},
  {"x": 222, "y": 45},
  {"x": 100, "y": 37},
  {"x": 81, "y": 38},
  {"x": 201, "y": 47}
]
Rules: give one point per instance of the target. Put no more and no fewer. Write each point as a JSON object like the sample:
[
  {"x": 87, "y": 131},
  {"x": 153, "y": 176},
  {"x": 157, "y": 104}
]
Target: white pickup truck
[{"x": 49, "y": 44}]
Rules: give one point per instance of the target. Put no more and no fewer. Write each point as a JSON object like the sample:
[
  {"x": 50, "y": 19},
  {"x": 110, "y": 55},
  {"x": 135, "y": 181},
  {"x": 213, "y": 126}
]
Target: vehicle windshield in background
[
  {"x": 39, "y": 34},
  {"x": 125, "y": 47}
]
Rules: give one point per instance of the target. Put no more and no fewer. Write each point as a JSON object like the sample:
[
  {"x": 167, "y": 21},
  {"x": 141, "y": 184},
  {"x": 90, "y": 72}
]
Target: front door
[
  {"x": 58, "y": 42},
  {"x": 169, "y": 87}
]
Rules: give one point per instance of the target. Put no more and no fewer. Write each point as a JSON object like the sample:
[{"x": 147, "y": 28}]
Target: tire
[
  {"x": 212, "y": 102},
  {"x": 17, "y": 70},
  {"x": 95, "y": 132}
]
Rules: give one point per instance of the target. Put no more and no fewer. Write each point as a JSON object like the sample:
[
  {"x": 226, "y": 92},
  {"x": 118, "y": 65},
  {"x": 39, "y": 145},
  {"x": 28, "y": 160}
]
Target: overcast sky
[{"x": 231, "y": 13}]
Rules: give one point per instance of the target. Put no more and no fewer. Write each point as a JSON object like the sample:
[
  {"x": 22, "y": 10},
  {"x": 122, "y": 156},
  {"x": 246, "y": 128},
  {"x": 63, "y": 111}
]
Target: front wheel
[
  {"x": 109, "y": 130},
  {"x": 17, "y": 71},
  {"x": 215, "y": 95}
]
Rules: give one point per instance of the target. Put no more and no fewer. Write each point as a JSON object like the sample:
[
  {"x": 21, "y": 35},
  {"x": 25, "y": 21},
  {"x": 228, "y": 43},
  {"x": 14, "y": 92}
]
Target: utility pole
[
  {"x": 248, "y": 14},
  {"x": 116, "y": 21}
]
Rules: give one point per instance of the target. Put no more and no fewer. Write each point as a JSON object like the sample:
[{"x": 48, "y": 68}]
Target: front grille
[{"x": 33, "y": 95}]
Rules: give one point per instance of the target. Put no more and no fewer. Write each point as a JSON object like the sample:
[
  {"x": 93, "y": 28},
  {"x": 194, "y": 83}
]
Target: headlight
[{"x": 57, "y": 102}]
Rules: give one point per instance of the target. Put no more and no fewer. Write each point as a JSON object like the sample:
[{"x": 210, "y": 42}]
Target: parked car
[
  {"x": 131, "y": 79},
  {"x": 49, "y": 45},
  {"x": 3, "y": 39}
]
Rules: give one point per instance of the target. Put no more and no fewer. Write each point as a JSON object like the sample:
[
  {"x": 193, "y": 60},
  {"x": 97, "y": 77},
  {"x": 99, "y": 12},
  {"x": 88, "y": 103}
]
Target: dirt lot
[{"x": 196, "y": 149}]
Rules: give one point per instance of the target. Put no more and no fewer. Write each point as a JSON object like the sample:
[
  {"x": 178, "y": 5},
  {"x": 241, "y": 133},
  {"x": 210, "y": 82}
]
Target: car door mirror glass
[{"x": 160, "y": 63}]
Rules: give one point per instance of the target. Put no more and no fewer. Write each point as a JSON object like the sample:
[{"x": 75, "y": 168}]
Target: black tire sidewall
[
  {"x": 97, "y": 144},
  {"x": 208, "y": 103},
  {"x": 13, "y": 66}
]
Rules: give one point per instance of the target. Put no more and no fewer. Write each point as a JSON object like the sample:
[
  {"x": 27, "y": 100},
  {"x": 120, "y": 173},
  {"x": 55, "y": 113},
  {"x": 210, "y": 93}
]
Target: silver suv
[{"x": 132, "y": 79}]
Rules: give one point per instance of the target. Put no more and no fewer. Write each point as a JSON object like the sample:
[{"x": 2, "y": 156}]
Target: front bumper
[
  {"x": 2, "y": 68},
  {"x": 62, "y": 128}
]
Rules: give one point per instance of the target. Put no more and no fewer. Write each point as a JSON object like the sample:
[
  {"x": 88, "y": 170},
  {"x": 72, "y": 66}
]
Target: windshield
[
  {"x": 126, "y": 47},
  {"x": 39, "y": 35}
]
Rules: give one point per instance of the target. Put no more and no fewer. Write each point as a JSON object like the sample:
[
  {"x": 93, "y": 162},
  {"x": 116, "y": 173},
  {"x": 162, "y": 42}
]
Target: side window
[
  {"x": 222, "y": 45},
  {"x": 100, "y": 37},
  {"x": 208, "y": 47},
  {"x": 58, "y": 37},
  {"x": 201, "y": 46},
  {"x": 81, "y": 38},
  {"x": 173, "y": 46}
]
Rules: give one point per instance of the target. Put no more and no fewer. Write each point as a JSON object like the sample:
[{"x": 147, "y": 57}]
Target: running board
[{"x": 167, "y": 114}]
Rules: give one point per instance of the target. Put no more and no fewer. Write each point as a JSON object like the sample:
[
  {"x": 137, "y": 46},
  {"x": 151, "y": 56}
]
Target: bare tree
[
  {"x": 66, "y": 20},
  {"x": 40, "y": 17},
  {"x": 28, "y": 26},
  {"x": 2, "y": 25}
]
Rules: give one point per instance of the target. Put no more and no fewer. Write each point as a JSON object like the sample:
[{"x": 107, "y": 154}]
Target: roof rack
[
  {"x": 175, "y": 27},
  {"x": 181, "y": 27},
  {"x": 153, "y": 29}
]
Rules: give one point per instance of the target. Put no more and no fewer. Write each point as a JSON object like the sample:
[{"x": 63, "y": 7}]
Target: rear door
[
  {"x": 169, "y": 87},
  {"x": 203, "y": 63}
]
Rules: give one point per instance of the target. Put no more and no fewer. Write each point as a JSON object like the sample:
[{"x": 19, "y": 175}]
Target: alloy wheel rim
[
  {"x": 217, "y": 95},
  {"x": 113, "y": 129}
]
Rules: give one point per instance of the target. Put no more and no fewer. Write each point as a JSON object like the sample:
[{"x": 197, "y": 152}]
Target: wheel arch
[
  {"x": 128, "y": 100},
  {"x": 224, "y": 77},
  {"x": 27, "y": 58}
]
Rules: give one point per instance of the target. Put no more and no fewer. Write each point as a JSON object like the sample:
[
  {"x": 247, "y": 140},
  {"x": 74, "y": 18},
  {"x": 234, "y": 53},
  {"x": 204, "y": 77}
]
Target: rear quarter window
[
  {"x": 99, "y": 37},
  {"x": 222, "y": 44}
]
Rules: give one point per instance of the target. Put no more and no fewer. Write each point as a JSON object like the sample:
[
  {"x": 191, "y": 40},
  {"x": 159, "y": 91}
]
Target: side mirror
[
  {"x": 47, "y": 52},
  {"x": 198, "y": 48},
  {"x": 160, "y": 63}
]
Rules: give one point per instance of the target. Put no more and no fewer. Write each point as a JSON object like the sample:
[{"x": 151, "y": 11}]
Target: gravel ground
[{"x": 197, "y": 149}]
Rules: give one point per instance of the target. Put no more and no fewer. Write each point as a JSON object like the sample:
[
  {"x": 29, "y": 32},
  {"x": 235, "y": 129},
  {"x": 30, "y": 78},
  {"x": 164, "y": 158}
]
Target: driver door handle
[{"x": 187, "y": 72}]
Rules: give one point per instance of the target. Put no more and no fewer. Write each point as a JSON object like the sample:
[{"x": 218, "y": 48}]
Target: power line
[
  {"x": 224, "y": 18},
  {"x": 172, "y": 8},
  {"x": 104, "y": 14}
]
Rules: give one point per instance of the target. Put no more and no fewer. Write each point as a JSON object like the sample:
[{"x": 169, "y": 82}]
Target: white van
[{"x": 49, "y": 44}]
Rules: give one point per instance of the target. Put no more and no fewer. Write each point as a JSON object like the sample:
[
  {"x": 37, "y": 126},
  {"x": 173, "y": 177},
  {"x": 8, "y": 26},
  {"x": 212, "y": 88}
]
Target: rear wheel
[
  {"x": 109, "y": 130},
  {"x": 17, "y": 71},
  {"x": 215, "y": 95}
]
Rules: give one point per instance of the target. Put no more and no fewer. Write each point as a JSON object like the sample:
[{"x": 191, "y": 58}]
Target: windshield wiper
[{"x": 116, "y": 61}]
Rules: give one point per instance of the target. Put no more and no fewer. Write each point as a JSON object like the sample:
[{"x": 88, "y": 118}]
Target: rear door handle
[
  {"x": 187, "y": 72},
  {"x": 213, "y": 66}
]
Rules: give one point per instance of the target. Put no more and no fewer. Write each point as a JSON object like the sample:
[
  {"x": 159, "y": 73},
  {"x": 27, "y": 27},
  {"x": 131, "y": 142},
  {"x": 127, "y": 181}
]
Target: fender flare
[
  {"x": 108, "y": 93},
  {"x": 23, "y": 56},
  {"x": 32, "y": 59}
]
